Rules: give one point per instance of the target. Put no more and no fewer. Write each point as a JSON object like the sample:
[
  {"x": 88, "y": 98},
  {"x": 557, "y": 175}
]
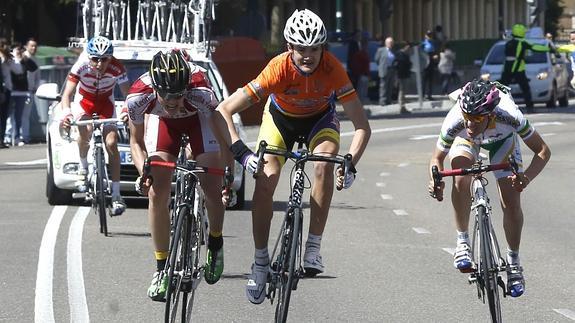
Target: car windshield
[
  {"x": 497, "y": 56},
  {"x": 136, "y": 68}
]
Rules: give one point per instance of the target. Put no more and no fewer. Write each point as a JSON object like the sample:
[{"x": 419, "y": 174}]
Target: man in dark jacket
[
  {"x": 514, "y": 67},
  {"x": 402, "y": 64}
]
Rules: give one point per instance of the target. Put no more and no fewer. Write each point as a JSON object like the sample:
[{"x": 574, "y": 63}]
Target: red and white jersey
[
  {"x": 94, "y": 86},
  {"x": 199, "y": 96}
]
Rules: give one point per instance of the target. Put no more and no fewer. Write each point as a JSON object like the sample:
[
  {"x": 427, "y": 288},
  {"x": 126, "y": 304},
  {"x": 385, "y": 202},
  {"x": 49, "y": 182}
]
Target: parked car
[
  {"x": 548, "y": 73},
  {"x": 62, "y": 154}
]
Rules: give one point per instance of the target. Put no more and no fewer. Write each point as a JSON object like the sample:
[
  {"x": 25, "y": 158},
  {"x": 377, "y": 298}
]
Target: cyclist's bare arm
[
  {"x": 137, "y": 145},
  {"x": 235, "y": 103},
  {"x": 65, "y": 103},
  {"x": 437, "y": 159},
  {"x": 223, "y": 137},
  {"x": 541, "y": 156},
  {"x": 354, "y": 111}
]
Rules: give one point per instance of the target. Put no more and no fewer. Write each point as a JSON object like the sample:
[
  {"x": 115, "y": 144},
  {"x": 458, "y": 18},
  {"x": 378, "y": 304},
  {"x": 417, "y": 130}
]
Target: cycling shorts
[
  {"x": 499, "y": 151},
  {"x": 282, "y": 131},
  {"x": 164, "y": 134},
  {"x": 103, "y": 107}
]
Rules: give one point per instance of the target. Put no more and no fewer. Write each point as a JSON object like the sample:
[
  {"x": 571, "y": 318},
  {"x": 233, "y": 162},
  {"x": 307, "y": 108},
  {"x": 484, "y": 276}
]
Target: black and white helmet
[{"x": 305, "y": 28}]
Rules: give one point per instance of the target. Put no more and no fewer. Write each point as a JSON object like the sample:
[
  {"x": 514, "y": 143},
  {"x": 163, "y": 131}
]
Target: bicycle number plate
[{"x": 126, "y": 158}]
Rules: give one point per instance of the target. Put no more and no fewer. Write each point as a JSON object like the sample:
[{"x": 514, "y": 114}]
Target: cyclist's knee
[{"x": 323, "y": 170}]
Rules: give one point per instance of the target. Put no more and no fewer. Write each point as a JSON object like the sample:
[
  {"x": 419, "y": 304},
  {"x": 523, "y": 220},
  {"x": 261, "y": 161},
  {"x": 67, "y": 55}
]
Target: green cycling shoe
[
  {"x": 159, "y": 286},
  {"x": 214, "y": 266}
]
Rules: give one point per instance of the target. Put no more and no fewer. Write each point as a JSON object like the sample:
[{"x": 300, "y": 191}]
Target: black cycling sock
[
  {"x": 161, "y": 264},
  {"x": 215, "y": 243}
]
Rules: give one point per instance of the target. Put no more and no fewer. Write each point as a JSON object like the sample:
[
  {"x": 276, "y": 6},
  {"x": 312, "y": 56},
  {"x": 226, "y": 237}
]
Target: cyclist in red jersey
[
  {"x": 302, "y": 86},
  {"x": 172, "y": 99},
  {"x": 92, "y": 80}
]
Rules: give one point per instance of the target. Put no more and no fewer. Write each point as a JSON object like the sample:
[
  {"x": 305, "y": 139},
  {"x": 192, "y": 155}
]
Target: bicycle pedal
[{"x": 295, "y": 282}]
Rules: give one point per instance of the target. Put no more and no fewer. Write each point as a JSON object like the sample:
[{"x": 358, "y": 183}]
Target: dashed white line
[
  {"x": 43, "y": 305},
  {"x": 450, "y": 251},
  {"x": 27, "y": 163},
  {"x": 76, "y": 289},
  {"x": 403, "y": 165},
  {"x": 421, "y": 230},
  {"x": 423, "y": 137},
  {"x": 565, "y": 312},
  {"x": 380, "y": 184},
  {"x": 383, "y": 174},
  {"x": 386, "y": 197},
  {"x": 400, "y": 212}
]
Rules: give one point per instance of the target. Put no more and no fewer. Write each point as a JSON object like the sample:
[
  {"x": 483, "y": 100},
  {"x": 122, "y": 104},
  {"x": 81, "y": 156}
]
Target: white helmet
[
  {"x": 99, "y": 46},
  {"x": 305, "y": 28}
]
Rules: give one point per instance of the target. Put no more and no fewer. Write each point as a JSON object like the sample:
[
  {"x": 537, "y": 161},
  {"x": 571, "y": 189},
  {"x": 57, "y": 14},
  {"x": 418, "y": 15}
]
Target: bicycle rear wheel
[
  {"x": 288, "y": 269},
  {"x": 100, "y": 191},
  {"x": 489, "y": 269}
]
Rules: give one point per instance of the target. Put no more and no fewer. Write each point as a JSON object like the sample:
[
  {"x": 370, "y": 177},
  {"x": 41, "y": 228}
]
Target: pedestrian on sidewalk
[
  {"x": 446, "y": 63},
  {"x": 384, "y": 57},
  {"x": 429, "y": 47},
  {"x": 402, "y": 65}
]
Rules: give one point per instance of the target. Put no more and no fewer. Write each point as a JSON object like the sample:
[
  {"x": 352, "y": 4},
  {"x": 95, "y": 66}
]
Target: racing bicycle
[
  {"x": 485, "y": 252},
  {"x": 189, "y": 231},
  {"x": 286, "y": 268},
  {"x": 97, "y": 184}
]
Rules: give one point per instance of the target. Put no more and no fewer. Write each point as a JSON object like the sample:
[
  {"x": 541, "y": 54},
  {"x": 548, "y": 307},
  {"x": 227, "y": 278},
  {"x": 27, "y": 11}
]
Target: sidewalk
[{"x": 441, "y": 103}]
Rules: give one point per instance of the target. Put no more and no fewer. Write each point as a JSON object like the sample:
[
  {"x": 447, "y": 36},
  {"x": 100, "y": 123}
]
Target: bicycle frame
[
  {"x": 287, "y": 265},
  {"x": 486, "y": 255}
]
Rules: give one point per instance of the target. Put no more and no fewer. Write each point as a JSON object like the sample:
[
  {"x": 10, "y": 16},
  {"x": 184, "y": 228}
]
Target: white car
[
  {"x": 62, "y": 155},
  {"x": 548, "y": 73}
]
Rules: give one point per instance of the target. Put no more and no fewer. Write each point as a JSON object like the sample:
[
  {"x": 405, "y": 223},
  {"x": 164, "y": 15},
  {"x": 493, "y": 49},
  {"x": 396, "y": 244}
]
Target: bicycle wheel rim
[
  {"x": 287, "y": 277},
  {"x": 175, "y": 268},
  {"x": 195, "y": 252},
  {"x": 101, "y": 193},
  {"x": 489, "y": 268}
]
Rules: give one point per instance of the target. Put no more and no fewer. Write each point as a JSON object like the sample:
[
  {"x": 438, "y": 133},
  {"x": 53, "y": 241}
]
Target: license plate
[{"x": 126, "y": 158}]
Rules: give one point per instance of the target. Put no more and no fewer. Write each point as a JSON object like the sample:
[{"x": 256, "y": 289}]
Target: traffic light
[{"x": 535, "y": 8}]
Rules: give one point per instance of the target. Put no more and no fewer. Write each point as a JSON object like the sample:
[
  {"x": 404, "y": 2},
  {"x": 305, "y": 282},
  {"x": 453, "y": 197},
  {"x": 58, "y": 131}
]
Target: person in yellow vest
[
  {"x": 514, "y": 67},
  {"x": 570, "y": 48}
]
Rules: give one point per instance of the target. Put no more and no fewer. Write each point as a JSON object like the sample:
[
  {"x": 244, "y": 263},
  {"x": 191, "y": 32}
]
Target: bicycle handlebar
[
  {"x": 437, "y": 175},
  {"x": 95, "y": 121}
]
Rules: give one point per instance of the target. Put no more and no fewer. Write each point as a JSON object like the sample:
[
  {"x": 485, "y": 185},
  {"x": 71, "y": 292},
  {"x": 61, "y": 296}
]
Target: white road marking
[
  {"x": 383, "y": 174},
  {"x": 403, "y": 165},
  {"x": 421, "y": 230},
  {"x": 450, "y": 251},
  {"x": 550, "y": 123},
  {"x": 417, "y": 126},
  {"x": 386, "y": 197},
  {"x": 422, "y": 137},
  {"x": 380, "y": 184},
  {"x": 43, "y": 305},
  {"x": 565, "y": 312},
  {"x": 27, "y": 163},
  {"x": 400, "y": 212},
  {"x": 548, "y": 134},
  {"x": 76, "y": 290}
]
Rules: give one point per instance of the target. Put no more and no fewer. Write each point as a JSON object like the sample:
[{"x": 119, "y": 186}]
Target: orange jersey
[{"x": 298, "y": 94}]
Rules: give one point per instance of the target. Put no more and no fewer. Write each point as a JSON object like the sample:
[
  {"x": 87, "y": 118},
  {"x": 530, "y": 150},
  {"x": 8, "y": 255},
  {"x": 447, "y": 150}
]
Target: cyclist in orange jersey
[{"x": 302, "y": 86}]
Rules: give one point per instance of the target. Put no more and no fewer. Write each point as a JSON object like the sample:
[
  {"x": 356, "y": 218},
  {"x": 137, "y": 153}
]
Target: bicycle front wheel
[
  {"x": 288, "y": 270},
  {"x": 489, "y": 269},
  {"x": 100, "y": 192},
  {"x": 179, "y": 267}
]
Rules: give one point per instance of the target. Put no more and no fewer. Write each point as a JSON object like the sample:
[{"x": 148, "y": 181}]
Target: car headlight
[
  {"x": 485, "y": 75},
  {"x": 70, "y": 168},
  {"x": 542, "y": 74}
]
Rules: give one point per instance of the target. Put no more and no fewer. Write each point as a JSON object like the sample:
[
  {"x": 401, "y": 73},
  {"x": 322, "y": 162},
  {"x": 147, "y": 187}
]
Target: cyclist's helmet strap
[
  {"x": 305, "y": 28},
  {"x": 99, "y": 46},
  {"x": 479, "y": 97},
  {"x": 170, "y": 73}
]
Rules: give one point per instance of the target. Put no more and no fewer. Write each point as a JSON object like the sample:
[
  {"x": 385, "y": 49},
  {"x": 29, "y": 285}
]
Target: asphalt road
[{"x": 385, "y": 247}]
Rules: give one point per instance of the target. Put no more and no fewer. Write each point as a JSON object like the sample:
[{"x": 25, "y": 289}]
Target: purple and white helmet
[{"x": 479, "y": 97}]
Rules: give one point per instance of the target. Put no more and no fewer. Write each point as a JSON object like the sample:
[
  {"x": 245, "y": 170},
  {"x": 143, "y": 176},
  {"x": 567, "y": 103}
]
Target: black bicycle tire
[
  {"x": 100, "y": 191},
  {"x": 198, "y": 227},
  {"x": 172, "y": 258},
  {"x": 286, "y": 287},
  {"x": 489, "y": 268}
]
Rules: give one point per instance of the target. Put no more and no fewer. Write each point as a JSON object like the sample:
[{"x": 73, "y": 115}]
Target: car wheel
[
  {"x": 553, "y": 99},
  {"x": 55, "y": 195},
  {"x": 240, "y": 195}
]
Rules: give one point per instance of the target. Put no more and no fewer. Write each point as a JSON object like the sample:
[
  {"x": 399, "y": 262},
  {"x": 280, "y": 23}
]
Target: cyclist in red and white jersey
[
  {"x": 172, "y": 99},
  {"x": 91, "y": 81}
]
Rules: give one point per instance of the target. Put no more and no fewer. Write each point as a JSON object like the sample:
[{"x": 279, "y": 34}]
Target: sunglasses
[
  {"x": 171, "y": 96},
  {"x": 99, "y": 59},
  {"x": 476, "y": 118}
]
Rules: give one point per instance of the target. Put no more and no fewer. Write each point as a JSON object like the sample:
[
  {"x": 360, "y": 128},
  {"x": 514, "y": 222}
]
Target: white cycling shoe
[
  {"x": 462, "y": 258},
  {"x": 256, "y": 286},
  {"x": 312, "y": 262},
  {"x": 118, "y": 205}
]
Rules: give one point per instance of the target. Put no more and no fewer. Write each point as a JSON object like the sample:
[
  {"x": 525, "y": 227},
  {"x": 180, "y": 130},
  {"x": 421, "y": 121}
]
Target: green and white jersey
[{"x": 506, "y": 120}]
